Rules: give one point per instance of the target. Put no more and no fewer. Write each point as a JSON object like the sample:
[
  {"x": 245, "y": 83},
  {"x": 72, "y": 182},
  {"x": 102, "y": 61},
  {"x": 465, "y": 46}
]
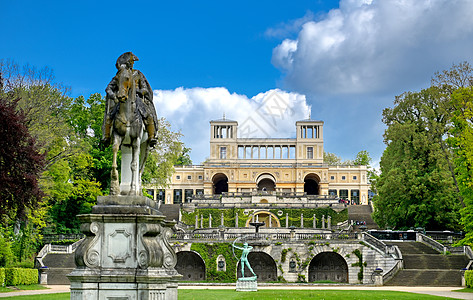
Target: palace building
[{"x": 265, "y": 170}]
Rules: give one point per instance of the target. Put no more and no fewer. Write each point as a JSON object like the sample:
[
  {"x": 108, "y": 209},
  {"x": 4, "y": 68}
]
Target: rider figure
[
  {"x": 244, "y": 258},
  {"x": 144, "y": 99}
]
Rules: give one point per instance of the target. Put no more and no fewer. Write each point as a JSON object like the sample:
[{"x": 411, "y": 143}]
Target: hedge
[
  {"x": 2, "y": 277},
  {"x": 469, "y": 278},
  {"x": 17, "y": 276}
]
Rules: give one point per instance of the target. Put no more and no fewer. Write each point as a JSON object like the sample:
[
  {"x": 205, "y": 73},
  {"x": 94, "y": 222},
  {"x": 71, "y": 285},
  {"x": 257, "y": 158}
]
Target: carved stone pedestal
[
  {"x": 126, "y": 253},
  {"x": 247, "y": 284}
]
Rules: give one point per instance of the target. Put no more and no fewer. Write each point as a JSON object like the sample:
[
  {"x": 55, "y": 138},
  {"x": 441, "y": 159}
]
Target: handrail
[
  {"x": 431, "y": 242},
  {"x": 304, "y": 236},
  {"x": 468, "y": 252},
  {"x": 368, "y": 238},
  {"x": 391, "y": 273}
]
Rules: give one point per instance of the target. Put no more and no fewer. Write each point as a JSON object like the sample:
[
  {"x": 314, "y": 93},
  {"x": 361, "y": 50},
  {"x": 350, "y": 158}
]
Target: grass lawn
[
  {"x": 465, "y": 290},
  {"x": 22, "y": 288},
  {"x": 268, "y": 294}
]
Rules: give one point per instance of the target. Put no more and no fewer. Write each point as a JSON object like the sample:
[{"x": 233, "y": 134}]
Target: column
[
  {"x": 323, "y": 222},
  {"x": 329, "y": 222},
  {"x": 221, "y": 221},
  {"x": 236, "y": 220},
  {"x": 201, "y": 221},
  {"x": 314, "y": 221},
  {"x": 210, "y": 220},
  {"x": 287, "y": 220},
  {"x": 270, "y": 220},
  {"x": 302, "y": 220},
  {"x": 196, "y": 221}
]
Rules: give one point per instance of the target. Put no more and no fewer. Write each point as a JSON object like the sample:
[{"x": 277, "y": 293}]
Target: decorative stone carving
[
  {"x": 86, "y": 255},
  {"x": 119, "y": 245},
  {"x": 151, "y": 255}
]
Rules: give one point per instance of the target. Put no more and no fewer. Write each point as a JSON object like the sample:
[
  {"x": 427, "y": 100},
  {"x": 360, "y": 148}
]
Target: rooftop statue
[{"x": 130, "y": 124}]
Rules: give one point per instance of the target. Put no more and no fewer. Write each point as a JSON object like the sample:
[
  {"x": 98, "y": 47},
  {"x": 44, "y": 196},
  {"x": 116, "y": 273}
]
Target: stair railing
[
  {"x": 368, "y": 238},
  {"x": 396, "y": 268},
  {"x": 420, "y": 237}
]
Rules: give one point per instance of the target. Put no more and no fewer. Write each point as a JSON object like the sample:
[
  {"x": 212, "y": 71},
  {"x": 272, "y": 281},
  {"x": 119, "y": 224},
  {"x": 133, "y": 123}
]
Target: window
[
  {"x": 200, "y": 177},
  {"x": 188, "y": 195},
  {"x": 332, "y": 177},
  {"x": 354, "y": 177},
  {"x": 178, "y": 177},
  {"x": 344, "y": 178},
  {"x": 344, "y": 194},
  {"x": 223, "y": 152},
  {"x": 332, "y": 192},
  {"x": 355, "y": 196},
  {"x": 150, "y": 192},
  {"x": 199, "y": 192},
  {"x": 189, "y": 177},
  {"x": 160, "y": 195},
  {"x": 177, "y": 196},
  {"x": 310, "y": 152}
]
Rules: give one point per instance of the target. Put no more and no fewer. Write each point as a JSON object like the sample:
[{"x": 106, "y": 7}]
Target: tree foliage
[
  {"x": 461, "y": 142},
  {"x": 168, "y": 152},
  {"x": 21, "y": 164},
  {"x": 417, "y": 185}
]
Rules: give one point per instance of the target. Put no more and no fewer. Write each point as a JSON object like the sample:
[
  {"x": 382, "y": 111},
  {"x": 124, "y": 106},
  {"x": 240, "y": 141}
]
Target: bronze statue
[{"x": 130, "y": 120}]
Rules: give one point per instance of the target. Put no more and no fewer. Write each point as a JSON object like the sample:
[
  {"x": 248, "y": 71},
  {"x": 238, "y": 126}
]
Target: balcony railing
[{"x": 223, "y": 236}]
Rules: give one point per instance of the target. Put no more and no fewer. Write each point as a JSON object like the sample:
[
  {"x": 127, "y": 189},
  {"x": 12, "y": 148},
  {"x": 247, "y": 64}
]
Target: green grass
[
  {"x": 268, "y": 294},
  {"x": 22, "y": 288},
  {"x": 300, "y": 294},
  {"x": 60, "y": 296},
  {"x": 465, "y": 290}
]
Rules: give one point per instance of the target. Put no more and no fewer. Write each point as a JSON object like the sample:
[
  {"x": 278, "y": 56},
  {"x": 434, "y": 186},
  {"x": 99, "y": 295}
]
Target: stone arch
[
  {"x": 190, "y": 265},
  {"x": 266, "y": 182},
  {"x": 263, "y": 265},
  {"x": 263, "y": 216},
  {"x": 220, "y": 183},
  {"x": 328, "y": 266},
  {"x": 311, "y": 184}
]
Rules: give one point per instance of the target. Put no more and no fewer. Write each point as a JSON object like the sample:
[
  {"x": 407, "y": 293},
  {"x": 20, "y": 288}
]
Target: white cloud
[
  {"x": 376, "y": 46},
  {"x": 269, "y": 114}
]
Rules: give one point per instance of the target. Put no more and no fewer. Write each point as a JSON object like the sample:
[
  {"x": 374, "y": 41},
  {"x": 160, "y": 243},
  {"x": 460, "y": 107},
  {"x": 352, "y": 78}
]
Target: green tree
[
  {"x": 44, "y": 103},
  {"x": 161, "y": 161},
  {"x": 184, "y": 159},
  {"x": 332, "y": 159},
  {"x": 415, "y": 187},
  {"x": 461, "y": 142},
  {"x": 362, "y": 158}
]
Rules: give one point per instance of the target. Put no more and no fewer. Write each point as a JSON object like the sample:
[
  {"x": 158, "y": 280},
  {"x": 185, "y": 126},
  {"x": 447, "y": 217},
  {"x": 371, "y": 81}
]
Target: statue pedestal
[
  {"x": 126, "y": 253},
  {"x": 247, "y": 284}
]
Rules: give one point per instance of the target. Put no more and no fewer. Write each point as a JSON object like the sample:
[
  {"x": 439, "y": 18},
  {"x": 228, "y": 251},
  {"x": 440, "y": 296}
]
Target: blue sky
[{"x": 341, "y": 61}]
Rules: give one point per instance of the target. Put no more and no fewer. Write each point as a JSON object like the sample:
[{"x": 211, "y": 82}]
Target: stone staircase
[
  {"x": 424, "y": 266},
  {"x": 361, "y": 213},
  {"x": 60, "y": 264},
  {"x": 171, "y": 211}
]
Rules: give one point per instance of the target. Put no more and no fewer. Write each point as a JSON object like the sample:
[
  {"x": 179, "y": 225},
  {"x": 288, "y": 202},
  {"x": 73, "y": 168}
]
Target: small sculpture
[
  {"x": 244, "y": 260},
  {"x": 130, "y": 120}
]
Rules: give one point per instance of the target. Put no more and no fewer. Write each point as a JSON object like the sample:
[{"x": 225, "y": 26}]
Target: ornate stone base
[
  {"x": 119, "y": 291},
  {"x": 246, "y": 285},
  {"x": 125, "y": 254}
]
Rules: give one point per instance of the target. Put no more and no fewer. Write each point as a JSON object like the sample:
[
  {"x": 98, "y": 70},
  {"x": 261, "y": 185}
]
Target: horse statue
[{"x": 130, "y": 124}]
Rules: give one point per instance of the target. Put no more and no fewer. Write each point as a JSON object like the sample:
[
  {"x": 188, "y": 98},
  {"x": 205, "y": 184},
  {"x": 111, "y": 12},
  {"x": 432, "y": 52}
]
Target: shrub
[
  {"x": 2, "y": 277},
  {"x": 469, "y": 278},
  {"x": 17, "y": 276}
]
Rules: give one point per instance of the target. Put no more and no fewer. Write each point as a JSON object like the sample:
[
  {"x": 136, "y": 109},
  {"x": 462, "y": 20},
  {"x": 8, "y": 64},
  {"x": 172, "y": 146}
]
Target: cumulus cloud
[
  {"x": 372, "y": 46},
  {"x": 269, "y": 114}
]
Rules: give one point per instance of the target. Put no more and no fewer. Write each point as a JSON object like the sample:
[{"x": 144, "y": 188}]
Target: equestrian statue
[{"x": 130, "y": 124}]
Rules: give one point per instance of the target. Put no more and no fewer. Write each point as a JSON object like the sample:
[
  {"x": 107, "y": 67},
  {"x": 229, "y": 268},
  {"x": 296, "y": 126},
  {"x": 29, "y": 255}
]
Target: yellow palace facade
[{"x": 286, "y": 167}]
